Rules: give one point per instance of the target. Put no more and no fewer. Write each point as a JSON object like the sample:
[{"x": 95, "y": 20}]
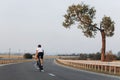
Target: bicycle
[{"x": 39, "y": 65}]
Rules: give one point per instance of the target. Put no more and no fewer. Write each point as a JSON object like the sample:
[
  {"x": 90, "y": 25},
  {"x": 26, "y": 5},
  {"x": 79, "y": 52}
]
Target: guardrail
[
  {"x": 97, "y": 66},
  {"x": 6, "y": 61}
]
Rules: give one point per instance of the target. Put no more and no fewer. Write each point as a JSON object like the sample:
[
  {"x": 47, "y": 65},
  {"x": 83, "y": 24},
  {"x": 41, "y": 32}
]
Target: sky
[{"x": 26, "y": 23}]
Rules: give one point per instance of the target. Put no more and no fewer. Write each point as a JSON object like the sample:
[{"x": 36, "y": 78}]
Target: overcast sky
[{"x": 26, "y": 23}]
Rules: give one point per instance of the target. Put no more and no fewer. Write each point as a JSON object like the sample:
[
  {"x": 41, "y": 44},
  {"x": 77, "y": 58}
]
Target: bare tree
[{"x": 83, "y": 16}]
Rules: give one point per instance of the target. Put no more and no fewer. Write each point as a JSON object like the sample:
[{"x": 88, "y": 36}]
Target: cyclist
[{"x": 39, "y": 55}]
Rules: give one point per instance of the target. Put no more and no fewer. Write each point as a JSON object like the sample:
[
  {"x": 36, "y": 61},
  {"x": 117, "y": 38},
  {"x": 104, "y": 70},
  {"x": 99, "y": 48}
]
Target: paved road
[{"x": 27, "y": 71}]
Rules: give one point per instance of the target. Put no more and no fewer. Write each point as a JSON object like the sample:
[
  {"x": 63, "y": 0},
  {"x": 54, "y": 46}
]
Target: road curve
[{"x": 27, "y": 71}]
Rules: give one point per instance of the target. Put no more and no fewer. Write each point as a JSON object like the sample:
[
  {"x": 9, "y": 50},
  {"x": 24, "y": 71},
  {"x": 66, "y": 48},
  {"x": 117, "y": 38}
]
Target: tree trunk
[{"x": 103, "y": 45}]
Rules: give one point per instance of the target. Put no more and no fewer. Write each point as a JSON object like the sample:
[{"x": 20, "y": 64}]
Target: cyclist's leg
[
  {"x": 41, "y": 58},
  {"x": 39, "y": 62},
  {"x": 40, "y": 67}
]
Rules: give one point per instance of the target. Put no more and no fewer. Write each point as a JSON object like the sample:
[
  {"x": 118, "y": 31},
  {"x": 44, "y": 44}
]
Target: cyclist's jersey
[
  {"x": 39, "y": 50},
  {"x": 40, "y": 53}
]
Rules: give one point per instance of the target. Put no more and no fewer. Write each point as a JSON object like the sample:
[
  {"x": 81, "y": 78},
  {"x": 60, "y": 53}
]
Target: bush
[
  {"x": 118, "y": 58},
  {"x": 27, "y": 56},
  {"x": 110, "y": 56},
  {"x": 83, "y": 57},
  {"x": 94, "y": 56}
]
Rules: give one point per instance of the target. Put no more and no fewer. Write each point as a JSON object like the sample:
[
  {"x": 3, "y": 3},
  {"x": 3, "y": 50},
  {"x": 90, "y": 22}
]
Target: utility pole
[
  {"x": 19, "y": 51},
  {"x": 9, "y": 52}
]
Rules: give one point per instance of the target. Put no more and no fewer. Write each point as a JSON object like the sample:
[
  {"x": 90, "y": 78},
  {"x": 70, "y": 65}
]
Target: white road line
[
  {"x": 51, "y": 74},
  {"x": 9, "y": 64},
  {"x": 6, "y": 64}
]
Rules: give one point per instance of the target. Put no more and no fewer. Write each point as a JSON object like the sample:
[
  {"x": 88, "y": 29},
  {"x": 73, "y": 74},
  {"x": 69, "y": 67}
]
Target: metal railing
[
  {"x": 7, "y": 61},
  {"x": 105, "y": 67}
]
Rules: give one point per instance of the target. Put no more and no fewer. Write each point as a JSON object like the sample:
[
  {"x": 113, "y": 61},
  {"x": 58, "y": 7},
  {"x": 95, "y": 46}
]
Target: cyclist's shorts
[{"x": 40, "y": 55}]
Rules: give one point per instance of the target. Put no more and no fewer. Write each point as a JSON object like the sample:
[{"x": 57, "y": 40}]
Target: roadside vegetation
[
  {"x": 15, "y": 58},
  {"x": 27, "y": 56},
  {"x": 90, "y": 56}
]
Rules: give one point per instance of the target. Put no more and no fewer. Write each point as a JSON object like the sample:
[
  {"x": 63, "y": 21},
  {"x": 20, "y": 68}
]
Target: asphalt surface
[{"x": 53, "y": 71}]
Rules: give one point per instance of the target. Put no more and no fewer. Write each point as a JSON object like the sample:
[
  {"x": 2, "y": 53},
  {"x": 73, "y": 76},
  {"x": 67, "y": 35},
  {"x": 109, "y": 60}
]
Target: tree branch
[{"x": 98, "y": 28}]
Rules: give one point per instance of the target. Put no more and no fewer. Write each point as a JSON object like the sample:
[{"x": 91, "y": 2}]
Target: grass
[
  {"x": 19, "y": 58},
  {"x": 11, "y": 56},
  {"x": 12, "y": 59}
]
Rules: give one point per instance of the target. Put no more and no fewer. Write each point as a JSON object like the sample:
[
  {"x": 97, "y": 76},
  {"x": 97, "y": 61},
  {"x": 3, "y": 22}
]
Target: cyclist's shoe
[
  {"x": 37, "y": 68},
  {"x": 42, "y": 70}
]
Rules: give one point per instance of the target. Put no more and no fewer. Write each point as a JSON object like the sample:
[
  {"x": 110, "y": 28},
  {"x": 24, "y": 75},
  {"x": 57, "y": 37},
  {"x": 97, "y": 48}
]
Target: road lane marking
[
  {"x": 6, "y": 64},
  {"x": 51, "y": 74},
  {"x": 10, "y": 64}
]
